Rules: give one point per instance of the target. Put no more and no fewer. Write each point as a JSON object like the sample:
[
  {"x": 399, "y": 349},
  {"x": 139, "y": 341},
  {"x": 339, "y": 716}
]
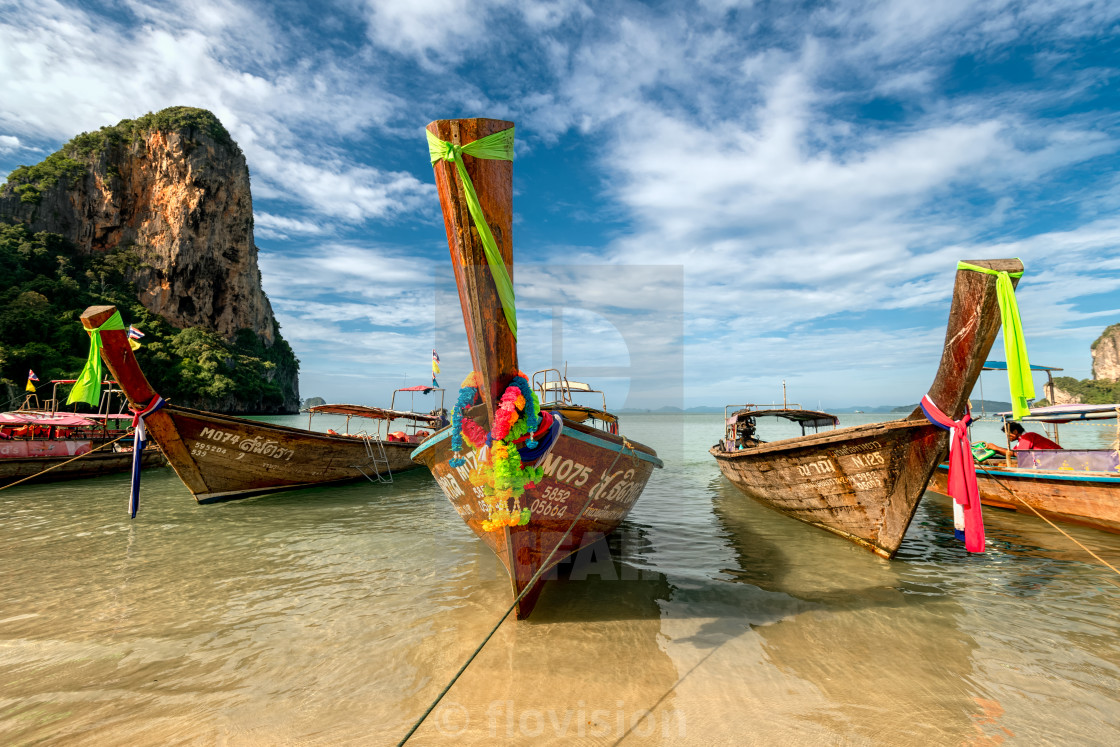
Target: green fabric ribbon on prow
[
  {"x": 88, "y": 386},
  {"x": 498, "y": 146},
  {"x": 1014, "y": 347}
]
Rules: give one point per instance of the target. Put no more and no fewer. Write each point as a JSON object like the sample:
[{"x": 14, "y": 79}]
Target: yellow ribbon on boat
[
  {"x": 498, "y": 146},
  {"x": 88, "y": 386},
  {"x": 1014, "y": 346}
]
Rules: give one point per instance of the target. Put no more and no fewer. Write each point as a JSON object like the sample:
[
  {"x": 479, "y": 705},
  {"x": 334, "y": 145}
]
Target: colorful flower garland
[{"x": 499, "y": 472}]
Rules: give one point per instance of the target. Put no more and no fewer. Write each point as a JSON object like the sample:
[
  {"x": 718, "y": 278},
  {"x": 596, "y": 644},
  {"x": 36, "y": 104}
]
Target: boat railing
[
  {"x": 553, "y": 387},
  {"x": 412, "y": 427},
  {"x": 727, "y": 410}
]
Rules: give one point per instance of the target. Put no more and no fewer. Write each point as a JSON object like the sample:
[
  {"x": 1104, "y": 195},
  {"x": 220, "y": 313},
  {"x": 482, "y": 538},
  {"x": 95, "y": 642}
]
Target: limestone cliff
[
  {"x": 171, "y": 191},
  {"x": 1106, "y": 355},
  {"x": 1104, "y": 387}
]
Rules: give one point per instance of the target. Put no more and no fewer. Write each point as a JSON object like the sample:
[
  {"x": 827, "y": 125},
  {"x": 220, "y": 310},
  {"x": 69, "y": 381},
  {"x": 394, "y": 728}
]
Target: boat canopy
[
  {"x": 813, "y": 418},
  {"x": 377, "y": 413},
  {"x": 421, "y": 388},
  {"x": 1068, "y": 413},
  {"x": 65, "y": 420},
  {"x": 579, "y": 413},
  {"x": 1002, "y": 366},
  {"x": 573, "y": 386}
]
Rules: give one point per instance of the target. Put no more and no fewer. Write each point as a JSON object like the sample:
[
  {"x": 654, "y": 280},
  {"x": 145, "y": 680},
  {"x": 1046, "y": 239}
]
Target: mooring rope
[
  {"x": 48, "y": 469},
  {"x": 528, "y": 587},
  {"x": 1037, "y": 513}
]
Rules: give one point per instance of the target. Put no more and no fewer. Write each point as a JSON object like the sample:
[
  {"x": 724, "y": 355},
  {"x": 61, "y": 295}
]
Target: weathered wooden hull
[
  {"x": 583, "y": 462},
  {"x": 93, "y": 464},
  {"x": 1089, "y": 499},
  {"x": 862, "y": 483},
  {"x": 222, "y": 457}
]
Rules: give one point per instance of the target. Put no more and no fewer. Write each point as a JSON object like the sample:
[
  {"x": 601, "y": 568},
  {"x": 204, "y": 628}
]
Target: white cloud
[{"x": 58, "y": 80}]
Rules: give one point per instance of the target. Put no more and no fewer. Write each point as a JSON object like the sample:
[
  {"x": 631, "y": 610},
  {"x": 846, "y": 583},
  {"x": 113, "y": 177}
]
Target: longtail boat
[
  {"x": 43, "y": 446},
  {"x": 224, "y": 457},
  {"x": 1079, "y": 486},
  {"x": 864, "y": 482},
  {"x": 540, "y": 479}
]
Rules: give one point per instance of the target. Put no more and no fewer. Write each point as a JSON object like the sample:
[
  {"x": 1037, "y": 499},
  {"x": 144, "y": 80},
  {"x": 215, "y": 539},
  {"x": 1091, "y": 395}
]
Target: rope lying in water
[
  {"x": 528, "y": 587},
  {"x": 1036, "y": 511},
  {"x": 48, "y": 469}
]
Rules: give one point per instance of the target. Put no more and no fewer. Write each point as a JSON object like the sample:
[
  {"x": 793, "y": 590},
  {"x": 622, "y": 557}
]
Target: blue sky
[{"x": 716, "y": 195}]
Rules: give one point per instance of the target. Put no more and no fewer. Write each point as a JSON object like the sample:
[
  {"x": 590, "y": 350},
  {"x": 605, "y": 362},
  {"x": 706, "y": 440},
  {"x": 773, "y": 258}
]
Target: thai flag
[
  {"x": 134, "y": 334},
  {"x": 31, "y": 375}
]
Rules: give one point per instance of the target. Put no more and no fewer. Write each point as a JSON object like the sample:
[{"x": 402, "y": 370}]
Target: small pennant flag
[
  {"x": 134, "y": 336},
  {"x": 435, "y": 367},
  {"x": 31, "y": 375}
]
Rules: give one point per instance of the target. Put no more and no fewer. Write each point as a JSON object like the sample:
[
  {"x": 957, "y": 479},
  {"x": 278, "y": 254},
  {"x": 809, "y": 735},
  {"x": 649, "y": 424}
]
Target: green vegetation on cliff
[
  {"x": 47, "y": 285},
  {"x": 71, "y": 160},
  {"x": 1108, "y": 332},
  {"x": 1100, "y": 392}
]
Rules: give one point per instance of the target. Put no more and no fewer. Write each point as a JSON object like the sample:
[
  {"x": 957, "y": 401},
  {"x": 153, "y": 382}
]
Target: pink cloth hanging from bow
[{"x": 962, "y": 472}]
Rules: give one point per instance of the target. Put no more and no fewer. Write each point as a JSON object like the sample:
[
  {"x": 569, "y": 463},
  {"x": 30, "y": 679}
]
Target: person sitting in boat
[
  {"x": 1022, "y": 439},
  {"x": 745, "y": 434}
]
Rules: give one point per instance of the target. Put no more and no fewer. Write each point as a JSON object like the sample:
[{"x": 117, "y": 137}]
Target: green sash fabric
[
  {"x": 88, "y": 387},
  {"x": 1014, "y": 347},
  {"x": 498, "y": 146}
]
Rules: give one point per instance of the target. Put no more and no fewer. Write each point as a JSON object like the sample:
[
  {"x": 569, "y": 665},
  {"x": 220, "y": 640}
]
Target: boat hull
[
  {"x": 1089, "y": 499},
  {"x": 583, "y": 463},
  {"x": 222, "y": 457},
  {"x": 92, "y": 464},
  {"x": 862, "y": 483}
]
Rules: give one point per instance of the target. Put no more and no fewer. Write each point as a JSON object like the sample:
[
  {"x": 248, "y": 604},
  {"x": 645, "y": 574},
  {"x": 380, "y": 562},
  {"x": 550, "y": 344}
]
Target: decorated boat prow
[
  {"x": 223, "y": 457},
  {"x": 534, "y": 483},
  {"x": 864, "y": 482}
]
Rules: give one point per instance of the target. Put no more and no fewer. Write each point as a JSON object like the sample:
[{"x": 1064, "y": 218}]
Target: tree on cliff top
[{"x": 71, "y": 160}]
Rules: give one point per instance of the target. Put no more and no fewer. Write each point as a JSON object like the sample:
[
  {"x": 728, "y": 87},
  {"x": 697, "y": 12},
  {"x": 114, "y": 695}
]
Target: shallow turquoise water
[{"x": 334, "y": 616}]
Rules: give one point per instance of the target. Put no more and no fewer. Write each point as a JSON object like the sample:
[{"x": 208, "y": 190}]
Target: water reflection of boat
[
  {"x": 591, "y": 475},
  {"x": 1080, "y": 486},
  {"x": 860, "y": 651},
  {"x": 223, "y": 457},
  {"x": 864, "y": 482}
]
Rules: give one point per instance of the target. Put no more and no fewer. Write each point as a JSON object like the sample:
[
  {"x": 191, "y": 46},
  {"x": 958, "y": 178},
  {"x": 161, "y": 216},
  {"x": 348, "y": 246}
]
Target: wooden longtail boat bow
[
  {"x": 223, "y": 457},
  {"x": 591, "y": 477},
  {"x": 864, "y": 482}
]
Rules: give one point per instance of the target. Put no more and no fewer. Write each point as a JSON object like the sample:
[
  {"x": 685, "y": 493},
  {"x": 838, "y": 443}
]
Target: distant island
[{"x": 979, "y": 405}]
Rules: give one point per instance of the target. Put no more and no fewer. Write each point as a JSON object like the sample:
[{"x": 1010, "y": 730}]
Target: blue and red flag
[{"x": 139, "y": 440}]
